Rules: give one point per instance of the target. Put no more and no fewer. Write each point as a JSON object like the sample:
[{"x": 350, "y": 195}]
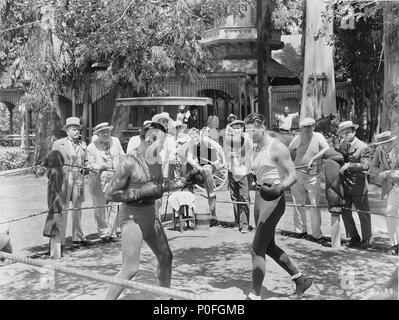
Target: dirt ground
[{"x": 214, "y": 262}]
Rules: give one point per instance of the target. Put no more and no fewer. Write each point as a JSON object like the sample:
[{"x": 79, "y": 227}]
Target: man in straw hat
[
  {"x": 385, "y": 163},
  {"x": 103, "y": 155},
  {"x": 308, "y": 147},
  {"x": 357, "y": 157},
  {"x": 74, "y": 153}
]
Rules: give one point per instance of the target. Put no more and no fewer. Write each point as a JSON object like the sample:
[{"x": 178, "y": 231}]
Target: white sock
[
  {"x": 296, "y": 276},
  {"x": 253, "y": 296}
]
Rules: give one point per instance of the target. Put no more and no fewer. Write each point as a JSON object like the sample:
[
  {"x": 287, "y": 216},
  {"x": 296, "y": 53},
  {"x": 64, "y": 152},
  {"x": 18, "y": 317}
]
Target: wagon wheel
[{"x": 220, "y": 180}]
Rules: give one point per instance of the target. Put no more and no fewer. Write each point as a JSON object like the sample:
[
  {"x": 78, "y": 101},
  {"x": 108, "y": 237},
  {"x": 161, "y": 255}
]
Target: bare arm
[
  {"x": 324, "y": 145},
  {"x": 117, "y": 187},
  {"x": 190, "y": 156},
  {"x": 284, "y": 159}
]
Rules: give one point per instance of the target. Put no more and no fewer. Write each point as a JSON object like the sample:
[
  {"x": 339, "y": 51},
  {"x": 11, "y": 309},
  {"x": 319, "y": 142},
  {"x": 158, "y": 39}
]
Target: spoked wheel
[{"x": 220, "y": 178}]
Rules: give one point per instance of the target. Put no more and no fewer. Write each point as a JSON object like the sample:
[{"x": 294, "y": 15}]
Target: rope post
[{"x": 335, "y": 231}]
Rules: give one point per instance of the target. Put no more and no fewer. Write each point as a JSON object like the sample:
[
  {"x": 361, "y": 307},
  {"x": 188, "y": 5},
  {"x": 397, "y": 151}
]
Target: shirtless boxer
[{"x": 138, "y": 183}]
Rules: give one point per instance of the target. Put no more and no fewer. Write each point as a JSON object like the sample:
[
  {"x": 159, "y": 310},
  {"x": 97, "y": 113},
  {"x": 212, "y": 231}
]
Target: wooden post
[
  {"x": 90, "y": 120},
  {"x": 260, "y": 45},
  {"x": 73, "y": 103},
  {"x": 26, "y": 128},
  {"x": 263, "y": 15},
  {"x": 11, "y": 120},
  {"x": 335, "y": 232}
]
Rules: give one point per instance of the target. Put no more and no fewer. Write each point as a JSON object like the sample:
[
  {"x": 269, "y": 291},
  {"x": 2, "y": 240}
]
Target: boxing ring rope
[
  {"x": 46, "y": 211},
  {"x": 300, "y": 206},
  {"x": 28, "y": 169},
  {"x": 102, "y": 278}
]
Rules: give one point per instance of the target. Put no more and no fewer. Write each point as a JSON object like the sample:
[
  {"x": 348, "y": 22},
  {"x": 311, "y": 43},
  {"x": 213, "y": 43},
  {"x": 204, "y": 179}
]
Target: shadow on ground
[{"x": 221, "y": 271}]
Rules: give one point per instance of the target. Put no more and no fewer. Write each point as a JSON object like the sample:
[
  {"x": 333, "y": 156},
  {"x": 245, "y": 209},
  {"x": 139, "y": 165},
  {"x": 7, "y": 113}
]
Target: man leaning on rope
[{"x": 103, "y": 155}]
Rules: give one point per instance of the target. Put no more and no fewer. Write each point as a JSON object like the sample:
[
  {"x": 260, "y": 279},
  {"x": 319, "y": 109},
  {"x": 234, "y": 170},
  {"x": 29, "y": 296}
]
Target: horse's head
[{"x": 328, "y": 126}]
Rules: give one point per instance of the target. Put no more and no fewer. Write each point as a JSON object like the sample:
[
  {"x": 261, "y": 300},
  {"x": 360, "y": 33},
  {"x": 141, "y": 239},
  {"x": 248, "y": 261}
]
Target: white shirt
[
  {"x": 180, "y": 117},
  {"x": 134, "y": 142},
  {"x": 285, "y": 122}
]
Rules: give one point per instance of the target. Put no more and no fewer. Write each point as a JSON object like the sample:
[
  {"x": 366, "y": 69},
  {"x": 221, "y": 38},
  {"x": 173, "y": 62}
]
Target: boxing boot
[{"x": 302, "y": 284}]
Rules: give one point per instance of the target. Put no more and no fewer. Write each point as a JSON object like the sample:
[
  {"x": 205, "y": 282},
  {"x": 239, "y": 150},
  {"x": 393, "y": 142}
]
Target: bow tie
[{"x": 75, "y": 141}]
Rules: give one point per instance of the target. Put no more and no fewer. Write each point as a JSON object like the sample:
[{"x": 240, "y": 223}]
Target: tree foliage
[{"x": 359, "y": 59}]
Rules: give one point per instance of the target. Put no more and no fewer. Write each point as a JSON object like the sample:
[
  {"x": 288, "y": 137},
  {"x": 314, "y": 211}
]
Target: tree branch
[{"x": 124, "y": 12}]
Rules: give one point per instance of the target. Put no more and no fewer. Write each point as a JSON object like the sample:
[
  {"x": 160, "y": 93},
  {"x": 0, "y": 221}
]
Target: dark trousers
[
  {"x": 264, "y": 243},
  {"x": 239, "y": 191},
  {"x": 361, "y": 202}
]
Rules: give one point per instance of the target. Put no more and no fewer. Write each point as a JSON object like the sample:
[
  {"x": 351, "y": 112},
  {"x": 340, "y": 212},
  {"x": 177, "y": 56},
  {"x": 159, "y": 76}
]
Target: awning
[
  {"x": 163, "y": 101},
  {"x": 276, "y": 70}
]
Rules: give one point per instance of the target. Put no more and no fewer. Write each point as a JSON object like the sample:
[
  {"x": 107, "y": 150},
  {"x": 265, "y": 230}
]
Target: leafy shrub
[{"x": 12, "y": 158}]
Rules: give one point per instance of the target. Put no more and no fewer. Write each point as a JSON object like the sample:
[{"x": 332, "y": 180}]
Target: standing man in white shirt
[
  {"x": 285, "y": 120},
  {"x": 308, "y": 147},
  {"x": 103, "y": 155},
  {"x": 181, "y": 114}
]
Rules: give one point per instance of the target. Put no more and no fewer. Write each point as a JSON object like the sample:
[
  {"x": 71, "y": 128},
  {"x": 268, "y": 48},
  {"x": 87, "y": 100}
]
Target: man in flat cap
[
  {"x": 357, "y": 156},
  {"x": 74, "y": 153},
  {"x": 306, "y": 149},
  {"x": 103, "y": 155}
]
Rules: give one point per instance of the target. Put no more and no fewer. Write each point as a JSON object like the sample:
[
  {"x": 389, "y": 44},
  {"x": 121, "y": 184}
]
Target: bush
[{"x": 12, "y": 158}]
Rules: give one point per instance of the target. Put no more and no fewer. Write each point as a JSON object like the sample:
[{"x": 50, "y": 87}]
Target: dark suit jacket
[{"x": 358, "y": 155}]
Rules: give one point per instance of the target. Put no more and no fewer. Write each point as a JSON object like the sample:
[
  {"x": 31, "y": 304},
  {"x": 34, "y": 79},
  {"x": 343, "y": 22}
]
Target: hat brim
[
  {"x": 156, "y": 119},
  {"x": 352, "y": 126},
  {"x": 306, "y": 125},
  {"x": 240, "y": 122},
  {"x": 103, "y": 129},
  {"x": 386, "y": 141},
  {"x": 72, "y": 125}
]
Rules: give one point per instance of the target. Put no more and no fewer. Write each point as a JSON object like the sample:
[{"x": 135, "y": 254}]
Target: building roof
[{"x": 276, "y": 70}]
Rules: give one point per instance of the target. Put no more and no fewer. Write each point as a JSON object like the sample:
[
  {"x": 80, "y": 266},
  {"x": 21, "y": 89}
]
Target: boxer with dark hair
[
  {"x": 54, "y": 161},
  {"x": 274, "y": 172},
  {"x": 138, "y": 182}
]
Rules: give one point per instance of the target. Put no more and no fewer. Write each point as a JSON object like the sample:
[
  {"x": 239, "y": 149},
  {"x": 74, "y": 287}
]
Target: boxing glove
[
  {"x": 270, "y": 191},
  {"x": 147, "y": 192}
]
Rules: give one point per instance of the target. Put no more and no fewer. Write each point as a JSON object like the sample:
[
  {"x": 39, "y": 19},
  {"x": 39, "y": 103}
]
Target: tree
[
  {"x": 318, "y": 91},
  {"x": 390, "y": 114},
  {"x": 359, "y": 58},
  {"x": 140, "y": 41}
]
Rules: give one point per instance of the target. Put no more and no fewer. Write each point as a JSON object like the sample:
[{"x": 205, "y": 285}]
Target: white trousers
[
  {"x": 307, "y": 185},
  {"x": 393, "y": 215},
  {"x": 105, "y": 218}
]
